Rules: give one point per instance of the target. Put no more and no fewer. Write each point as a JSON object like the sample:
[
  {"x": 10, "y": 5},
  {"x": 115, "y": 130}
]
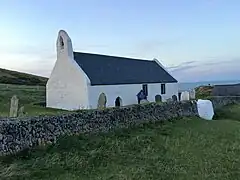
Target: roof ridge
[{"x": 120, "y": 57}]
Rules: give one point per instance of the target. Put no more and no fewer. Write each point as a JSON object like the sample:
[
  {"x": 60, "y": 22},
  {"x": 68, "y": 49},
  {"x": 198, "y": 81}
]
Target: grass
[
  {"x": 190, "y": 148},
  {"x": 28, "y": 96},
  {"x": 14, "y": 77},
  {"x": 231, "y": 112}
]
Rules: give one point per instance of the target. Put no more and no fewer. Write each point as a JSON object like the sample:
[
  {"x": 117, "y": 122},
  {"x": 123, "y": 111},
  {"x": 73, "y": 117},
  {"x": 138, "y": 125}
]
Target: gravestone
[
  {"x": 174, "y": 98},
  {"x": 21, "y": 111},
  {"x": 179, "y": 96},
  {"x": 102, "y": 100},
  {"x": 118, "y": 102},
  {"x": 192, "y": 94},
  {"x": 14, "y": 106},
  {"x": 169, "y": 100},
  {"x": 144, "y": 101},
  {"x": 158, "y": 98},
  {"x": 185, "y": 96}
]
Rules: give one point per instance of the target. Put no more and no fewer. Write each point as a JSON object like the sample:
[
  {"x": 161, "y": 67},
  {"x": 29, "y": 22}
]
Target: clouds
[
  {"x": 211, "y": 70},
  {"x": 40, "y": 61}
]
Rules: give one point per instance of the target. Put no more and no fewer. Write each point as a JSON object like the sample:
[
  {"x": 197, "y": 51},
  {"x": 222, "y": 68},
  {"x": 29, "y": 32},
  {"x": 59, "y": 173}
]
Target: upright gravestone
[
  {"x": 192, "y": 94},
  {"x": 174, "y": 98},
  {"x": 102, "y": 100},
  {"x": 158, "y": 98},
  {"x": 14, "y": 106},
  {"x": 179, "y": 96},
  {"x": 185, "y": 96}
]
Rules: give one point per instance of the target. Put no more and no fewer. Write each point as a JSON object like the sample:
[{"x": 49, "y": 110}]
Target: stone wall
[
  {"x": 220, "y": 101},
  {"x": 17, "y": 134},
  {"x": 226, "y": 90}
]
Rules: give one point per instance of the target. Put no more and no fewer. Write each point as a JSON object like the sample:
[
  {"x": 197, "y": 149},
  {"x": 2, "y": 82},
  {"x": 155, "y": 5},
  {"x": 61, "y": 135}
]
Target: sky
[{"x": 195, "y": 40}]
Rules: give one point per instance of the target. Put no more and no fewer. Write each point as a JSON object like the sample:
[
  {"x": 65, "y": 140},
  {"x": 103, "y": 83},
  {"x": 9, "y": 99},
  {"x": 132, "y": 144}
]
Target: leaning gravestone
[
  {"x": 14, "y": 106},
  {"x": 21, "y": 111},
  {"x": 158, "y": 98},
  {"x": 102, "y": 100},
  {"x": 174, "y": 98}
]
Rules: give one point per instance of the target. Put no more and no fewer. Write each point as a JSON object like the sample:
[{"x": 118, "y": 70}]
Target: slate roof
[{"x": 110, "y": 70}]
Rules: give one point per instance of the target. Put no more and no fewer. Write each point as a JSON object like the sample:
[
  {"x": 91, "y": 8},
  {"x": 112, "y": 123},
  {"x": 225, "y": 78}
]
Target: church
[{"x": 78, "y": 79}]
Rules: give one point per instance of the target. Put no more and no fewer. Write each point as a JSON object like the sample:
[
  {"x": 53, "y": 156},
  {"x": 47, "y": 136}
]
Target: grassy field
[
  {"x": 14, "y": 77},
  {"x": 28, "y": 96},
  {"x": 186, "y": 149},
  {"x": 190, "y": 148}
]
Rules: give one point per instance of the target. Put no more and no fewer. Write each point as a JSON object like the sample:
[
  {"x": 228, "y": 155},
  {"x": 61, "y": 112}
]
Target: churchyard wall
[{"x": 17, "y": 134}]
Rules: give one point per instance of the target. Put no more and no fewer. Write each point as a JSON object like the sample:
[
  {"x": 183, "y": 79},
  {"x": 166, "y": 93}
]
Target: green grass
[
  {"x": 190, "y": 148},
  {"x": 14, "y": 77},
  {"x": 28, "y": 96},
  {"x": 231, "y": 112}
]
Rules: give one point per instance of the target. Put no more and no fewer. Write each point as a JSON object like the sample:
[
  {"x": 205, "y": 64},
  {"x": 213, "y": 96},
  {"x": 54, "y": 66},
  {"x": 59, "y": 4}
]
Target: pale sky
[{"x": 196, "y": 40}]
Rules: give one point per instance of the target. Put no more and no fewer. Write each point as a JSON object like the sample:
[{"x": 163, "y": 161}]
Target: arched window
[{"x": 61, "y": 42}]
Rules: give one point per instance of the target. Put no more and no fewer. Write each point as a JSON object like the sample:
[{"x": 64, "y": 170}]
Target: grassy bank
[
  {"x": 29, "y": 96},
  {"x": 20, "y": 78},
  {"x": 190, "y": 148}
]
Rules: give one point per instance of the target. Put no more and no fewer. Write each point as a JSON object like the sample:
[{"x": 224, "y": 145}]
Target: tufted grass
[
  {"x": 28, "y": 96},
  {"x": 190, "y": 148}
]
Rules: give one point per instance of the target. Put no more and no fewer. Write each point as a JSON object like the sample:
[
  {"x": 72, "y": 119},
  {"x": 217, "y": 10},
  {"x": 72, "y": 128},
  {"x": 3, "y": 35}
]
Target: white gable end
[{"x": 67, "y": 84}]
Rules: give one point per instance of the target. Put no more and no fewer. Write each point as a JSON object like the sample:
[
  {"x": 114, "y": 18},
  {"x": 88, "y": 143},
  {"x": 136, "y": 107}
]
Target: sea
[{"x": 185, "y": 86}]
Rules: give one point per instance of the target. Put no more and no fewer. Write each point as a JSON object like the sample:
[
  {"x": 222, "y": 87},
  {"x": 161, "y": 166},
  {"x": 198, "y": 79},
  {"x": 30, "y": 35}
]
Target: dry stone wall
[{"x": 17, "y": 134}]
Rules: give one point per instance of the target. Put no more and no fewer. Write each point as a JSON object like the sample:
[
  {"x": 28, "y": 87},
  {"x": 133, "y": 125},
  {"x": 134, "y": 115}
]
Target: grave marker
[
  {"x": 102, "y": 100},
  {"x": 21, "y": 111},
  {"x": 158, "y": 98},
  {"x": 14, "y": 106},
  {"x": 174, "y": 98}
]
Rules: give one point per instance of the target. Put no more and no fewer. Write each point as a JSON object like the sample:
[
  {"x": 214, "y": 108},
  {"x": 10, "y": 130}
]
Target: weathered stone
[
  {"x": 118, "y": 102},
  {"x": 158, "y": 98},
  {"x": 192, "y": 94},
  {"x": 185, "y": 96},
  {"x": 102, "y": 100},
  {"x": 14, "y": 106},
  {"x": 21, "y": 111},
  {"x": 174, "y": 98}
]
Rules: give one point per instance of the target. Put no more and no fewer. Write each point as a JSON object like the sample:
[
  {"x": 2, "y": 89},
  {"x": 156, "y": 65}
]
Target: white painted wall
[
  {"x": 128, "y": 93},
  {"x": 69, "y": 87},
  {"x": 67, "y": 84}
]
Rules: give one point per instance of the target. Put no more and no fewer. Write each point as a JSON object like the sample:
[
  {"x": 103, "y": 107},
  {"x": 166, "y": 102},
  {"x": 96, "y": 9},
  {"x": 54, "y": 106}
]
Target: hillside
[{"x": 14, "y": 77}]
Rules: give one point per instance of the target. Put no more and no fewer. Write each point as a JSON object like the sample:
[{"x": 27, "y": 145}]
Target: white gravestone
[
  {"x": 14, "y": 106},
  {"x": 192, "y": 94},
  {"x": 185, "y": 96},
  {"x": 205, "y": 109},
  {"x": 102, "y": 100}
]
